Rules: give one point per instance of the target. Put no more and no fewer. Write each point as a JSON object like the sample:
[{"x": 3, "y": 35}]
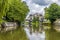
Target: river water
[{"x": 36, "y": 34}]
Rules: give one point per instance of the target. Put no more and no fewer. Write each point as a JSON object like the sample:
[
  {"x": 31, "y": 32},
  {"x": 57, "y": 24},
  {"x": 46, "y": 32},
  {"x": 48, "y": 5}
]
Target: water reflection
[
  {"x": 35, "y": 33},
  {"x": 38, "y": 33},
  {"x": 36, "y": 29},
  {"x": 53, "y": 34}
]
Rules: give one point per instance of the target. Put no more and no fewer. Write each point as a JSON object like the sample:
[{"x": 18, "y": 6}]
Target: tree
[
  {"x": 3, "y": 8},
  {"x": 53, "y": 12},
  {"x": 15, "y": 10}
]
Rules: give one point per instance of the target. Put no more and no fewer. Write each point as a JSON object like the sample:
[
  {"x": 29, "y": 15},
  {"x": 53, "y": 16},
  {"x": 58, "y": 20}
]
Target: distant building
[
  {"x": 34, "y": 17},
  {"x": 40, "y": 17}
]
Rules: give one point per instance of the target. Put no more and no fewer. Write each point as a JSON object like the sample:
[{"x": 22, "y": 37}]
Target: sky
[{"x": 37, "y": 6}]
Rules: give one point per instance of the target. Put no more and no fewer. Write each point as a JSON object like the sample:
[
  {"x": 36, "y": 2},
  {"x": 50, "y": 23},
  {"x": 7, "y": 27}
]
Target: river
[
  {"x": 36, "y": 34},
  {"x": 31, "y": 33}
]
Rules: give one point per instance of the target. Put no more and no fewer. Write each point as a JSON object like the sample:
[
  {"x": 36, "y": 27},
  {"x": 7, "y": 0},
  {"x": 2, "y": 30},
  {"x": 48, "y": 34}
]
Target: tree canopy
[
  {"x": 13, "y": 10},
  {"x": 52, "y": 12}
]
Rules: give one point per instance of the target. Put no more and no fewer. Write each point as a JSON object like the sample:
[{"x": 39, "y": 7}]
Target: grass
[{"x": 18, "y": 34}]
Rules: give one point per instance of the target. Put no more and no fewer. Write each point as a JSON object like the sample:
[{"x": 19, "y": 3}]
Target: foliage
[
  {"x": 3, "y": 9},
  {"x": 12, "y": 10},
  {"x": 53, "y": 12}
]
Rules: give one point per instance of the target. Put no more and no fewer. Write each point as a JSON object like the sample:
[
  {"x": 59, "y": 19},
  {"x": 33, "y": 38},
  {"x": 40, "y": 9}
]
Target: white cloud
[
  {"x": 39, "y": 5},
  {"x": 54, "y": 1}
]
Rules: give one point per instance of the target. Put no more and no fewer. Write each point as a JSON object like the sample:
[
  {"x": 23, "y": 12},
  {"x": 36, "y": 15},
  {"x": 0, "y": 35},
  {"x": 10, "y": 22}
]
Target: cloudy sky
[{"x": 37, "y": 6}]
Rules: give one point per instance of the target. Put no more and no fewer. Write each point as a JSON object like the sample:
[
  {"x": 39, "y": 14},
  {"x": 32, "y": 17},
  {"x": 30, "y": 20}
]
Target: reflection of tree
[
  {"x": 52, "y": 35},
  {"x": 41, "y": 27}
]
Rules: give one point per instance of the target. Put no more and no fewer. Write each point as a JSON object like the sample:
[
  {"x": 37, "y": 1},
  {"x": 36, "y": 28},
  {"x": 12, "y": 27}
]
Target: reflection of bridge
[{"x": 35, "y": 20}]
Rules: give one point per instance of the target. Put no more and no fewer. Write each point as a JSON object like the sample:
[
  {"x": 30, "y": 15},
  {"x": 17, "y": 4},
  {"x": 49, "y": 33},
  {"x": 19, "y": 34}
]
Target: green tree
[
  {"x": 3, "y": 8},
  {"x": 52, "y": 12},
  {"x": 14, "y": 10}
]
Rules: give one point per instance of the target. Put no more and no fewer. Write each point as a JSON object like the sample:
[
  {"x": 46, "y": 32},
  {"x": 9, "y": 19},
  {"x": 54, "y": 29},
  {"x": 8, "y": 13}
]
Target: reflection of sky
[
  {"x": 39, "y": 5},
  {"x": 35, "y": 36}
]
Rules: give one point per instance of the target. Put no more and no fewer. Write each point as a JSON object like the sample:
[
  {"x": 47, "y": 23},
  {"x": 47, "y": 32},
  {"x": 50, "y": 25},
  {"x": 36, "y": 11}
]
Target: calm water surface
[{"x": 38, "y": 34}]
